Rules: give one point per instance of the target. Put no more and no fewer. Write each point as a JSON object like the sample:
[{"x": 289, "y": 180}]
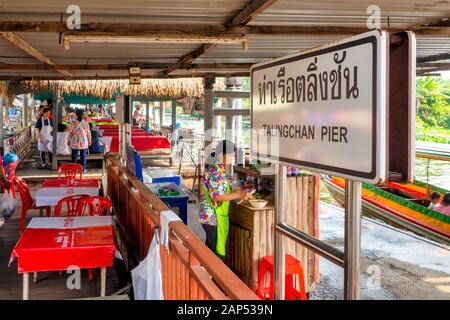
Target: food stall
[{"x": 251, "y": 234}]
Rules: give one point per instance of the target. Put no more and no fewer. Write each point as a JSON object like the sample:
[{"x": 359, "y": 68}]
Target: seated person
[
  {"x": 63, "y": 140},
  {"x": 435, "y": 200},
  {"x": 96, "y": 146},
  {"x": 445, "y": 206},
  {"x": 10, "y": 158},
  {"x": 4, "y": 183}
]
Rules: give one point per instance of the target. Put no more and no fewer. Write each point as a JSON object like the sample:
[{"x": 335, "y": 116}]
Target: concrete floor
[
  {"x": 28, "y": 170},
  {"x": 394, "y": 264}
]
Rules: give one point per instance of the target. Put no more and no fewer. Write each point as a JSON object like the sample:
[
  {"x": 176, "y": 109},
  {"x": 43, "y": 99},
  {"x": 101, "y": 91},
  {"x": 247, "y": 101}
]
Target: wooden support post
[
  {"x": 26, "y": 285},
  {"x": 25, "y": 110},
  {"x": 208, "y": 120},
  {"x": 57, "y": 115},
  {"x": 103, "y": 282}
]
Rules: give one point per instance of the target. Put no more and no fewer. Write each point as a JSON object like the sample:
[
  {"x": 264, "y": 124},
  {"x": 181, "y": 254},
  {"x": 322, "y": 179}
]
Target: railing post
[
  {"x": 279, "y": 252},
  {"x": 352, "y": 252}
]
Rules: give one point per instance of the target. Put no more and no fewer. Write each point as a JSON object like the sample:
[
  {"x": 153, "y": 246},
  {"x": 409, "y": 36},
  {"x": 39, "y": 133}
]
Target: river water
[
  {"x": 409, "y": 267},
  {"x": 438, "y": 172}
]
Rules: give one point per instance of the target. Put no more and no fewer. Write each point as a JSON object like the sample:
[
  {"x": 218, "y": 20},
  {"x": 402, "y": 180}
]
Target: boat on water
[
  {"x": 403, "y": 205},
  {"x": 434, "y": 151}
]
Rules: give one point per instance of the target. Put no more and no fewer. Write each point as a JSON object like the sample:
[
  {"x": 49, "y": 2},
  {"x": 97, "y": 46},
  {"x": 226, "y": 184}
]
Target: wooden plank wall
[
  {"x": 301, "y": 213},
  {"x": 252, "y": 232}
]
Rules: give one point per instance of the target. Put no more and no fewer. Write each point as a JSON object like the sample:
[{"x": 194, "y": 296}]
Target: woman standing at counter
[{"x": 216, "y": 197}]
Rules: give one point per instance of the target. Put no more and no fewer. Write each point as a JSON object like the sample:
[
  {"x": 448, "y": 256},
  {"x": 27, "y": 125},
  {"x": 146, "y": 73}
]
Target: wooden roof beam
[
  {"x": 249, "y": 13},
  {"x": 143, "y": 66},
  {"x": 434, "y": 65},
  {"x": 191, "y": 56},
  {"x": 127, "y": 29},
  {"x": 25, "y": 46},
  {"x": 155, "y": 76},
  {"x": 241, "y": 18},
  {"x": 433, "y": 58}
]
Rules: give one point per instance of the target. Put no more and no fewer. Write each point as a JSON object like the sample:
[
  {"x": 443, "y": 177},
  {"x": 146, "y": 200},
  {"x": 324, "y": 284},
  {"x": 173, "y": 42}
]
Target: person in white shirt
[
  {"x": 435, "y": 200},
  {"x": 63, "y": 140},
  {"x": 137, "y": 115}
]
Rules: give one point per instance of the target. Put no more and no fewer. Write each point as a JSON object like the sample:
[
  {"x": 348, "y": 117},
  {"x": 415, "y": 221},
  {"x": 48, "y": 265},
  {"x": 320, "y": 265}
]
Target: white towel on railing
[{"x": 166, "y": 217}]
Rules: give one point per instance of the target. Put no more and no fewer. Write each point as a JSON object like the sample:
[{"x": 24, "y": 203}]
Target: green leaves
[{"x": 433, "y": 102}]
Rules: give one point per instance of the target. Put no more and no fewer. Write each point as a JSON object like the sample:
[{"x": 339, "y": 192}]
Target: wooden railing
[
  {"x": 189, "y": 270},
  {"x": 21, "y": 143}
]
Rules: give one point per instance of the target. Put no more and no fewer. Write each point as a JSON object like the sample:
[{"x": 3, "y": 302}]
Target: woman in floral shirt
[
  {"x": 79, "y": 138},
  {"x": 216, "y": 196}
]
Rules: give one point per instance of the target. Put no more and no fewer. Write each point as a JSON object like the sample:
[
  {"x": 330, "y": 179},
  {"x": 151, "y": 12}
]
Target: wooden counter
[
  {"x": 251, "y": 235},
  {"x": 250, "y": 238}
]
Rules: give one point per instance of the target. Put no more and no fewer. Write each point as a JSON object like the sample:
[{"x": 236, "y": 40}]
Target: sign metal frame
[{"x": 378, "y": 39}]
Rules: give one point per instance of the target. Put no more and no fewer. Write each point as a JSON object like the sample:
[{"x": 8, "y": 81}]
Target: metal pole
[
  {"x": 237, "y": 104},
  {"x": 155, "y": 105},
  {"x": 57, "y": 115},
  {"x": 208, "y": 121},
  {"x": 174, "y": 122},
  {"x": 217, "y": 119},
  {"x": 229, "y": 120},
  {"x": 147, "y": 115},
  {"x": 161, "y": 113},
  {"x": 352, "y": 252},
  {"x": 323, "y": 249},
  {"x": 279, "y": 252}
]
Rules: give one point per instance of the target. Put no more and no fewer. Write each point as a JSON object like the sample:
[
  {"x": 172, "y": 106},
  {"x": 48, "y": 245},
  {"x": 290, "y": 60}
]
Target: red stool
[{"x": 293, "y": 267}]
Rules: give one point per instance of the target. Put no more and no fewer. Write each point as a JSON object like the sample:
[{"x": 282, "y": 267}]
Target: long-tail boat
[
  {"x": 403, "y": 205},
  {"x": 434, "y": 151}
]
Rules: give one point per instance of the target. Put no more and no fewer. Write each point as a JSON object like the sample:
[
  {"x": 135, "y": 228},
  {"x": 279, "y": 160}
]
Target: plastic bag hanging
[{"x": 147, "y": 276}]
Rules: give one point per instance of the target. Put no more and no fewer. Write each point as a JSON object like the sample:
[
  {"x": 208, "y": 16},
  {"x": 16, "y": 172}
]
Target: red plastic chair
[
  {"x": 71, "y": 204},
  {"x": 10, "y": 173},
  {"x": 293, "y": 267},
  {"x": 70, "y": 171},
  {"x": 94, "y": 206},
  {"x": 27, "y": 201}
]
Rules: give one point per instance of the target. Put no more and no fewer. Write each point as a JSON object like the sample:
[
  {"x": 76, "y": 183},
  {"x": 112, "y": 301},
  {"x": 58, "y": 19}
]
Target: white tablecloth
[
  {"x": 70, "y": 222},
  {"x": 51, "y": 196}
]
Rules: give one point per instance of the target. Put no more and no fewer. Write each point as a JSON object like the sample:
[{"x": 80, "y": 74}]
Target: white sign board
[{"x": 324, "y": 109}]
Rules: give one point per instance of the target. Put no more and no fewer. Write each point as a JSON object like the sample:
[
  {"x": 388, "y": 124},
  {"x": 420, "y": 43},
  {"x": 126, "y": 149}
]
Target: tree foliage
[{"x": 433, "y": 101}]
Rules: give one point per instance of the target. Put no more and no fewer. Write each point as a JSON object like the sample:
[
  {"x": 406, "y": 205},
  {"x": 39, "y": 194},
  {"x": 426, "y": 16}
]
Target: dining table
[
  {"x": 53, "y": 190},
  {"x": 65, "y": 243}
]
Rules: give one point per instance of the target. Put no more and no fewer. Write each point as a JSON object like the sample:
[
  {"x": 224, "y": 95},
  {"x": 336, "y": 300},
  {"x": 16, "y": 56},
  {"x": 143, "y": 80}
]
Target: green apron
[{"x": 223, "y": 222}]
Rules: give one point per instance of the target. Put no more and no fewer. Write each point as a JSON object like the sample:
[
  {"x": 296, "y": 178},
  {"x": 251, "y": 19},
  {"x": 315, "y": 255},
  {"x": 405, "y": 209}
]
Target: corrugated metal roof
[
  {"x": 48, "y": 44},
  {"x": 136, "y": 11},
  {"x": 267, "y": 47},
  {"x": 402, "y": 13}
]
